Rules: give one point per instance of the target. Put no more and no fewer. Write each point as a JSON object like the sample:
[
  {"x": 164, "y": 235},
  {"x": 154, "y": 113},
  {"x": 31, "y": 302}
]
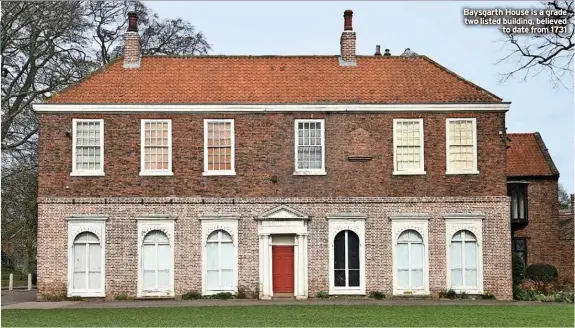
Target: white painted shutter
[
  {"x": 149, "y": 266},
  {"x": 79, "y": 275},
  {"x": 471, "y": 264},
  {"x": 416, "y": 264},
  {"x": 95, "y": 266},
  {"x": 164, "y": 261},
  {"x": 227, "y": 266},
  {"x": 402, "y": 260},
  {"x": 212, "y": 258},
  {"x": 456, "y": 265}
]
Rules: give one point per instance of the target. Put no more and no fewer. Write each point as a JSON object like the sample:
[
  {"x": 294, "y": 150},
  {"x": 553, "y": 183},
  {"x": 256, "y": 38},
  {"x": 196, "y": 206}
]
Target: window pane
[
  {"x": 212, "y": 256},
  {"x": 352, "y": 250},
  {"x": 339, "y": 276},
  {"x": 456, "y": 278},
  {"x": 470, "y": 255},
  {"x": 212, "y": 280},
  {"x": 416, "y": 256},
  {"x": 402, "y": 278},
  {"x": 227, "y": 260},
  {"x": 164, "y": 257},
  {"x": 149, "y": 280},
  {"x": 149, "y": 257},
  {"x": 163, "y": 279},
  {"x": 455, "y": 260},
  {"x": 339, "y": 251},
  {"x": 471, "y": 277},
  {"x": 402, "y": 256},
  {"x": 227, "y": 279},
  {"x": 95, "y": 266},
  {"x": 79, "y": 280},
  {"x": 354, "y": 278},
  {"x": 417, "y": 278}
]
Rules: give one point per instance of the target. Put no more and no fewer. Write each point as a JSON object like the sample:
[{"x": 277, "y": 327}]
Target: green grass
[{"x": 554, "y": 315}]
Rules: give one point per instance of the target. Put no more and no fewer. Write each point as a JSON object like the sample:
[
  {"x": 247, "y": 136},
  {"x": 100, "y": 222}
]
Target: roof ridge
[{"x": 460, "y": 77}]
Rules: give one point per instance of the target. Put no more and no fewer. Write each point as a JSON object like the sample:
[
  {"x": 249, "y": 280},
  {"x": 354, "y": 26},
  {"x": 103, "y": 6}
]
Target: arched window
[
  {"x": 220, "y": 258},
  {"x": 463, "y": 260},
  {"x": 87, "y": 274},
  {"x": 410, "y": 260},
  {"x": 156, "y": 261},
  {"x": 346, "y": 259}
]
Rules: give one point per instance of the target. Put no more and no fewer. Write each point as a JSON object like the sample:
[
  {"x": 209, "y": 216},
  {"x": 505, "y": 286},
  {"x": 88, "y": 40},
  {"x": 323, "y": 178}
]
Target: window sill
[
  {"x": 347, "y": 291},
  {"x": 310, "y": 172},
  {"x": 473, "y": 291},
  {"x": 409, "y": 292},
  {"x": 156, "y": 173},
  {"x": 86, "y": 293},
  {"x": 409, "y": 173},
  {"x": 86, "y": 174},
  {"x": 213, "y": 292},
  {"x": 461, "y": 172},
  {"x": 216, "y": 173}
]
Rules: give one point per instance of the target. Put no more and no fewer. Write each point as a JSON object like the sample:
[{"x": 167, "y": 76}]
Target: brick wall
[
  {"x": 121, "y": 229},
  {"x": 265, "y": 149},
  {"x": 546, "y": 242}
]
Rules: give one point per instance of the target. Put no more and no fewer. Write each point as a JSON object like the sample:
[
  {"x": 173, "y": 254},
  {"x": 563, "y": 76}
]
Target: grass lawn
[{"x": 552, "y": 315}]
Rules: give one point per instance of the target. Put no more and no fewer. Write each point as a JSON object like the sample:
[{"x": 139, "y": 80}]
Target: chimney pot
[
  {"x": 377, "y": 50},
  {"x": 347, "y": 20},
  {"x": 387, "y": 53},
  {"x": 132, "y": 22}
]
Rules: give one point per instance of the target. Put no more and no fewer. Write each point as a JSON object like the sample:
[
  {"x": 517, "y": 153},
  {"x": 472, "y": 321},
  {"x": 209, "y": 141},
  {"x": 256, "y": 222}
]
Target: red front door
[{"x": 283, "y": 268}]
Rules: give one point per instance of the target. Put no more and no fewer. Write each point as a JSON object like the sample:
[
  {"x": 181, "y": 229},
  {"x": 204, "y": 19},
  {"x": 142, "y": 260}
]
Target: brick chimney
[
  {"x": 377, "y": 50},
  {"x": 132, "y": 54},
  {"x": 347, "y": 41}
]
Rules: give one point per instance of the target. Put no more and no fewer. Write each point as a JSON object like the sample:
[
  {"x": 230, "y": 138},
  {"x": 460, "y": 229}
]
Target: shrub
[
  {"x": 192, "y": 295},
  {"x": 377, "y": 295},
  {"x": 74, "y": 298},
  {"x": 322, "y": 294},
  {"x": 542, "y": 272},
  {"x": 487, "y": 295},
  {"x": 121, "y": 297},
  {"x": 518, "y": 269},
  {"x": 223, "y": 296},
  {"x": 242, "y": 293},
  {"x": 54, "y": 297},
  {"x": 451, "y": 294}
]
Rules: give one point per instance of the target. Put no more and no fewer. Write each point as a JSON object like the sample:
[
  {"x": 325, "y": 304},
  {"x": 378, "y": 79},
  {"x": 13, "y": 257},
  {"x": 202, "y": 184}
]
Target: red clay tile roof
[
  {"x": 528, "y": 156},
  {"x": 275, "y": 79}
]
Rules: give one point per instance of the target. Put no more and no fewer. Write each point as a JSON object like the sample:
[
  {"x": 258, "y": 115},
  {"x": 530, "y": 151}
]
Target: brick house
[
  {"x": 283, "y": 175},
  {"x": 540, "y": 232}
]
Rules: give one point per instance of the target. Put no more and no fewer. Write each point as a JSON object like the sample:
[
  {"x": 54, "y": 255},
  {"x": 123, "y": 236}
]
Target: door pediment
[{"x": 283, "y": 212}]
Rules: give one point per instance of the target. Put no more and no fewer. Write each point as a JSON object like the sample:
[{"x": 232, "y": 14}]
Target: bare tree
[
  {"x": 42, "y": 52},
  {"x": 564, "y": 198},
  {"x": 534, "y": 54},
  {"x": 47, "y": 46}
]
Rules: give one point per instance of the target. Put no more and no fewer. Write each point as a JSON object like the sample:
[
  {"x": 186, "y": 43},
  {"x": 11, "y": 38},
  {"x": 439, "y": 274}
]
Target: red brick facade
[{"x": 265, "y": 149}]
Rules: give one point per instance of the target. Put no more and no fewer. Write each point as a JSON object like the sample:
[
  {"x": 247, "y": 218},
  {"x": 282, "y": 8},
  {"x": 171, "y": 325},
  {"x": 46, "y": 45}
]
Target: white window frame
[
  {"x": 320, "y": 171},
  {"x": 211, "y": 224},
  {"x": 474, "y": 224},
  {"x": 232, "y": 171},
  {"x": 75, "y": 171},
  {"x": 449, "y": 170},
  {"x": 399, "y": 224},
  {"x": 336, "y": 224},
  {"x": 77, "y": 226},
  {"x": 145, "y": 225},
  {"x": 150, "y": 172},
  {"x": 421, "y": 169}
]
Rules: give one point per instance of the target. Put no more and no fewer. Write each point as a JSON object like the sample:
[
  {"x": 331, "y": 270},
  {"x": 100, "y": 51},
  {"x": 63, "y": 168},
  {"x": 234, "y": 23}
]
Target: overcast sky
[{"x": 434, "y": 29}]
